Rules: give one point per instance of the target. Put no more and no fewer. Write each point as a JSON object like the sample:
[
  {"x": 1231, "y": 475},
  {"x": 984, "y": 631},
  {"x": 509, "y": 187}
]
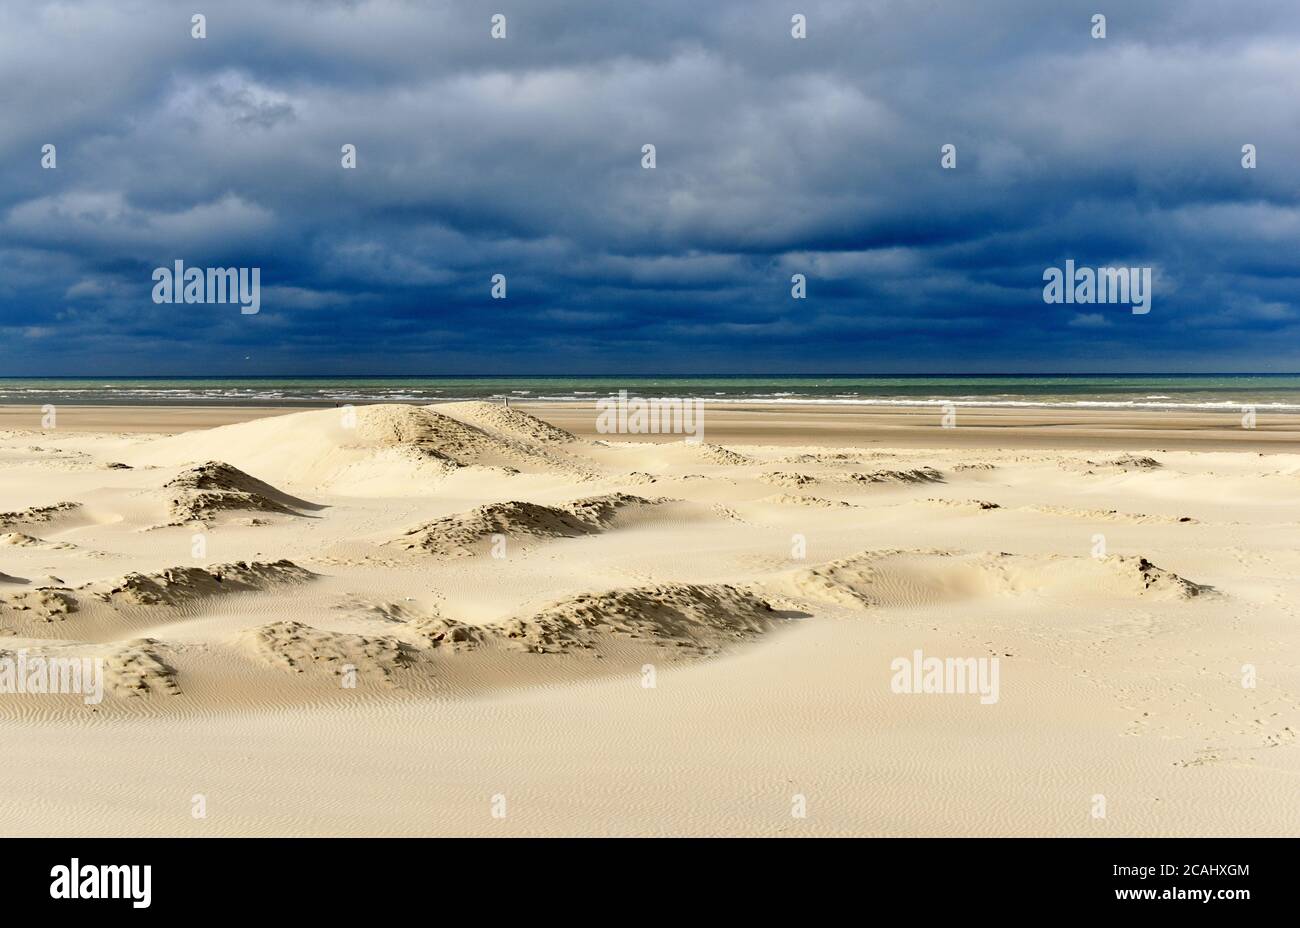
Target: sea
[{"x": 1209, "y": 392}]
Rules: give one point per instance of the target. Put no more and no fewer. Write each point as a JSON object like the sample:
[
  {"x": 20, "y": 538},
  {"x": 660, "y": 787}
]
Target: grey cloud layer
[{"x": 521, "y": 157}]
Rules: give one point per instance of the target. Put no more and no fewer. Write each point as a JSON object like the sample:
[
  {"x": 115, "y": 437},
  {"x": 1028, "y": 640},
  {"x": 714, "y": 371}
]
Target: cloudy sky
[{"x": 522, "y": 156}]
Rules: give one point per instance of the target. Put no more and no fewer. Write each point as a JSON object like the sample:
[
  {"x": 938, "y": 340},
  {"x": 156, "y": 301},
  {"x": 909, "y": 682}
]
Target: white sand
[{"x": 498, "y": 587}]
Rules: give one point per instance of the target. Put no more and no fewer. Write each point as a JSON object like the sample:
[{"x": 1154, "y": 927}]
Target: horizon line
[{"x": 628, "y": 376}]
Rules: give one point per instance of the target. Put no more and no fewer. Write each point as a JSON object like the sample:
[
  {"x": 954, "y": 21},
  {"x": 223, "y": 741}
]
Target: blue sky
[{"x": 522, "y": 156}]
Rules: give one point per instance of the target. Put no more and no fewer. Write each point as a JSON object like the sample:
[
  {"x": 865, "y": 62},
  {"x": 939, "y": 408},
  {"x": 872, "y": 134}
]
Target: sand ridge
[
  {"x": 175, "y": 585},
  {"x": 469, "y": 533},
  {"x": 908, "y": 578},
  {"x": 203, "y": 491}
]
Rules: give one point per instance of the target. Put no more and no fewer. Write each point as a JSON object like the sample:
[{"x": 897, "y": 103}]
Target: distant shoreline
[
  {"x": 787, "y": 424},
  {"x": 959, "y": 375},
  {"x": 1279, "y": 393}
]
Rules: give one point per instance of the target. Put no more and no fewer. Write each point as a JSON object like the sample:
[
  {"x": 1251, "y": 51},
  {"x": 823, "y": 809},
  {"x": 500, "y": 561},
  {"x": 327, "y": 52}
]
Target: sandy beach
[{"x": 463, "y": 619}]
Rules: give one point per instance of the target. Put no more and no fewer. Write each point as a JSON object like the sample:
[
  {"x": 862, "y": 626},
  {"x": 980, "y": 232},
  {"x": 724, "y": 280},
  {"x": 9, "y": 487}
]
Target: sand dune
[
  {"x": 298, "y": 648},
  {"x": 432, "y": 433},
  {"x": 380, "y": 450},
  {"x": 47, "y": 603},
  {"x": 916, "y": 475},
  {"x": 1124, "y": 462},
  {"x": 970, "y": 505},
  {"x": 785, "y": 478},
  {"x": 823, "y": 457},
  {"x": 131, "y": 668},
  {"x": 716, "y": 454},
  {"x": 202, "y": 492},
  {"x": 177, "y": 585},
  {"x": 796, "y": 499},
  {"x": 1108, "y": 515},
  {"x": 700, "y": 618},
  {"x": 695, "y": 619},
  {"x": 20, "y": 540},
  {"x": 492, "y": 417},
  {"x": 912, "y": 578},
  {"x": 36, "y": 515},
  {"x": 137, "y": 668},
  {"x": 467, "y": 533},
  {"x": 23, "y": 540},
  {"x": 470, "y": 533},
  {"x": 604, "y": 510},
  {"x": 350, "y": 615}
]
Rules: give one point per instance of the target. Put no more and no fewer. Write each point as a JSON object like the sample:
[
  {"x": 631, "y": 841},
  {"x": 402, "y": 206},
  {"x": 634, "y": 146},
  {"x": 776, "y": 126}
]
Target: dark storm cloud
[{"x": 522, "y": 157}]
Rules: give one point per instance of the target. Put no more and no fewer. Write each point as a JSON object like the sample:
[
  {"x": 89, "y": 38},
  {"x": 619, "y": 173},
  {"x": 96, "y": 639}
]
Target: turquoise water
[{"x": 1209, "y": 392}]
